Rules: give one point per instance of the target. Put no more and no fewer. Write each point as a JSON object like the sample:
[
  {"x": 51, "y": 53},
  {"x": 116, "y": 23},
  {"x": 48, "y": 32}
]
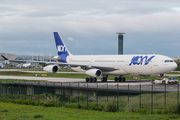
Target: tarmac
[{"x": 134, "y": 84}]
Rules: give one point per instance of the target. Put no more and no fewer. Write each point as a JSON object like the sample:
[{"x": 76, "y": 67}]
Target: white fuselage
[{"x": 126, "y": 64}]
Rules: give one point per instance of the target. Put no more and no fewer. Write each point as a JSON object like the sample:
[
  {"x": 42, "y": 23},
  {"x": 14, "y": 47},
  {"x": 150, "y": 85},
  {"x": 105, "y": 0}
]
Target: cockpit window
[{"x": 168, "y": 61}]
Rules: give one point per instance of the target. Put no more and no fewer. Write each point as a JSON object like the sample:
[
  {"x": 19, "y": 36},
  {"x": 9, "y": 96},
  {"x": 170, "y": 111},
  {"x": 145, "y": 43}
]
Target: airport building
[{"x": 9, "y": 56}]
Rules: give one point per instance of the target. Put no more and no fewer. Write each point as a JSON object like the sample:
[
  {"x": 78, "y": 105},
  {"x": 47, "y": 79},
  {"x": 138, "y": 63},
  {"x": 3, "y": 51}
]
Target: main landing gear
[
  {"x": 104, "y": 79},
  {"x": 91, "y": 79},
  {"x": 120, "y": 79}
]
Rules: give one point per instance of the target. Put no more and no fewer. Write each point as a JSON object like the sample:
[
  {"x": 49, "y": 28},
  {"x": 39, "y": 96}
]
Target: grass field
[
  {"x": 122, "y": 103},
  {"x": 178, "y": 73},
  {"x": 10, "y": 111}
]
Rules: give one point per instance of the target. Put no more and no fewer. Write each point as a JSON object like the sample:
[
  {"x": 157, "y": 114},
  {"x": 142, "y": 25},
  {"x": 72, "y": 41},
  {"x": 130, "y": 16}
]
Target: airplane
[
  {"x": 1, "y": 65},
  {"x": 105, "y": 65},
  {"x": 25, "y": 65}
]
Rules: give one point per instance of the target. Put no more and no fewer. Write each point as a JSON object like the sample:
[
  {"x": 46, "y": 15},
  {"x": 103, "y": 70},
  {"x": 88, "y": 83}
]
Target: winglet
[{"x": 4, "y": 57}]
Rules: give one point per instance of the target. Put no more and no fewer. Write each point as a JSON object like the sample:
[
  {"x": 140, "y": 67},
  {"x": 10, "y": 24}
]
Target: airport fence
[{"x": 96, "y": 96}]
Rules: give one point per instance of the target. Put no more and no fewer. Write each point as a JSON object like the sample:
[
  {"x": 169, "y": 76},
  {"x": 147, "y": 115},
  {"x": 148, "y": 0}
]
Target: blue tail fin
[{"x": 62, "y": 51}]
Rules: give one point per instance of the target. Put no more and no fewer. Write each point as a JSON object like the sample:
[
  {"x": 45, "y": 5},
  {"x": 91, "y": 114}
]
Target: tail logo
[{"x": 61, "y": 48}]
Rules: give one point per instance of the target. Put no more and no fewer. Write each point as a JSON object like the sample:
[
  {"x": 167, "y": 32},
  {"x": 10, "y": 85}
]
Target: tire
[
  {"x": 87, "y": 79},
  {"x": 115, "y": 79},
  {"x": 120, "y": 79},
  {"x": 163, "y": 82},
  {"x": 91, "y": 79},
  {"x": 95, "y": 79},
  {"x": 105, "y": 79},
  {"x": 123, "y": 79}
]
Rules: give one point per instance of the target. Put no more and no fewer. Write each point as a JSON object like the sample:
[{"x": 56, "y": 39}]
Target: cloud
[
  {"x": 70, "y": 39},
  {"x": 93, "y": 23},
  {"x": 177, "y": 9}
]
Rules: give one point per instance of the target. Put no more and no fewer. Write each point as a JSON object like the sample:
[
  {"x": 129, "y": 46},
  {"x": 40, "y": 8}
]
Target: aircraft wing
[
  {"x": 106, "y": 68},
  {"x": 83, "y": 66},
  {"x": 87, "y": 66}
]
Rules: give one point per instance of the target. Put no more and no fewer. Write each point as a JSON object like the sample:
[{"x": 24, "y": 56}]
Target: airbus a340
[{"x": 104, "y": 65}]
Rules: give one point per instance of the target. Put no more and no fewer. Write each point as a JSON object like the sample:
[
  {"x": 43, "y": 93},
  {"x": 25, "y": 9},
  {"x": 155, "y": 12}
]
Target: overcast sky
[{"x": 90, "y": 27}]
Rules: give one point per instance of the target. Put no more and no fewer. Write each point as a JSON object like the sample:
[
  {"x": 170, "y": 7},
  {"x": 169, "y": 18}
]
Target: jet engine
[
  {"x": 51, "y": 68},
  {"x": 94, "y": 72}
]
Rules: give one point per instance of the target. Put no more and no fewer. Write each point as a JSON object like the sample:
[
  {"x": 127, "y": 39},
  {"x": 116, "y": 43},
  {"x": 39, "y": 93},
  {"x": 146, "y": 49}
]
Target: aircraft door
[{"x": 155, "y": 63}]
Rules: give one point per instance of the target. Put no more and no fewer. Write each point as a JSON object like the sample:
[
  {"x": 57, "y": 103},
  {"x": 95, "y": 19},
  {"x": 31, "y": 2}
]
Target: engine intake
[
  {"x": 51, "y": 68},
  {"x": 94, "y": 72}
]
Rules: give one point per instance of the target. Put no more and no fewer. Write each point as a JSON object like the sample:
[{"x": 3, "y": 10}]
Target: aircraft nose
[{"x": 174, "y": 66}]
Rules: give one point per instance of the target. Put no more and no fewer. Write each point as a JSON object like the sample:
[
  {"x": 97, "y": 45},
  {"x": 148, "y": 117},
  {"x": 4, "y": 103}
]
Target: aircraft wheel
[
  {"x": 163, "y": 82},
  {"x": 120, "y": 79},
  {"x": 91, "y": 79},
  {"x": 105, "y": 79},
  {"x": 95, "y": 79},
  {"x": 87, "y": 79},
  {"x": 116, "y": 79},
  {"x": 123, "y": 79}
]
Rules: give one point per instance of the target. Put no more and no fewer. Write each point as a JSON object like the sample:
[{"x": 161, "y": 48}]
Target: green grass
[
  {"x": 160, "y": 100},
  {"x": 158, "y": 106},
  {"x": 10, "y": 111},
  {"x": 17, "y": 80},
  {"x": 178, "y": 73}
]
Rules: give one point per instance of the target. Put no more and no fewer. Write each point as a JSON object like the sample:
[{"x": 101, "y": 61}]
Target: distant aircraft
[
  {"x": 1, "y": 65},
  {"x": 25, "y": 65},
  {"x": 104, "y": 65}
]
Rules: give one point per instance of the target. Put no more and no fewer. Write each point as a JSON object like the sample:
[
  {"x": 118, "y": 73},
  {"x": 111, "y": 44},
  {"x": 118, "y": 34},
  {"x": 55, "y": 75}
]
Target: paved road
[{"x": 133, "y": 85}]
